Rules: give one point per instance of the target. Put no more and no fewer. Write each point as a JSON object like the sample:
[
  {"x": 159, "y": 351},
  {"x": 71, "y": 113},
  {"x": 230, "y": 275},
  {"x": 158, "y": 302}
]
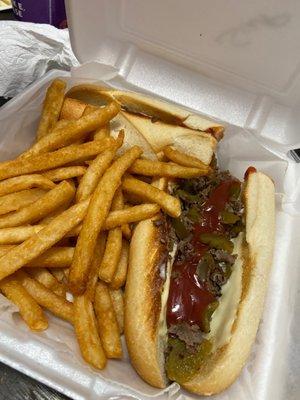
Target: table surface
[{"x": 13, "y": 384}]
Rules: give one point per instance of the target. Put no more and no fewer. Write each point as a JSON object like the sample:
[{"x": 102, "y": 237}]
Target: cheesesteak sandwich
[{"x": 196, "y": 284}]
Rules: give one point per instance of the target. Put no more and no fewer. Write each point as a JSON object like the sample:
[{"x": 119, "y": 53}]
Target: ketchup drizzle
[{"x": 188, "y": 298}]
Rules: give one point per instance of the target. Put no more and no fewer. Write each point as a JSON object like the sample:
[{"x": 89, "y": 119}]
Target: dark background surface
[{"x": 13, "y": 384}]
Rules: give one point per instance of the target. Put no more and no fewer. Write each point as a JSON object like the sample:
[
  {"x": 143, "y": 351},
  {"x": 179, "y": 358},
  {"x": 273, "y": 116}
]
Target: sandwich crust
[
  {"x": 222, "y": 367},
  {"x": 143, "y": 302},
  {"x": 145, "y": 130},
  {"x": 145, "y": 105},
  {"x": 72, "y": 109},
  {"x": 147, "y": 252},
  {"x": 221, "y": 370},
  {"x": 188, "y": 141}
]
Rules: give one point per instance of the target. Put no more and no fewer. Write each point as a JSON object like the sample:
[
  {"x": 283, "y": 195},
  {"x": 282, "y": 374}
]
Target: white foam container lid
[{"x": 237, "y": 62}]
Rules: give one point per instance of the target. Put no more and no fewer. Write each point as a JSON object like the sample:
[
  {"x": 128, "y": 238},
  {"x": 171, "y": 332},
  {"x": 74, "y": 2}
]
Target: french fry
[
  {"x": 15, "y": 201},
  {"x": 117, "y": 202},
  {"x": 18, "y": 234},
  {"x": 86, "y": 329},
  {"x": 43, "y": 276},
  {"x": 73, "y": 131},
  {"x": 111, "y": 255},
  {"x": 42, "y": 162},
  {"x": 126, "y": 231},
  {"x": 159, "y": 168},
  {"x": 61, "y": 124},
  {"x": 107, "y": 322},
  {"x": 160, "y": 183},
  {"x": 160, "y": 156},
  {"x": 102, "y": 132},
  {"x": 98, "y": 209},
  {"x": 60, "y": 174},
  {"x": 129, "y": 215},
  {"x": 97, "y": 225},
  {"x": 171, "y": 205},
  {"x": 113, "y": 247},
  {"x": 94, "y": 172},
  {"x": 66, "y": 272},
  {"x": 41, "y": 241},
  {"x": 118, "y": 303},
  {"x": 88, "y": 110},
  {"x": 46, "y": 298},
  {"x": 97, "y": 258},
  {"x": 78, "y": 179},
  {"x": 4, "y": 249},
  {"x": 114, "y": 219},
  {"x": 59, "y": 274},
  {"x": 184, "y": 159},
  {"x": 119, "y": 278},
  {"x": 56, "y": 257},
  {"x": 19, "y": 183},
  {"x": 29, "y": 309},
  {"x": 51, "y": 109},
  {"x": 33, "y": 212},
  {"x": 75, "y": 231},
  {"x": 49, "y": 217}
]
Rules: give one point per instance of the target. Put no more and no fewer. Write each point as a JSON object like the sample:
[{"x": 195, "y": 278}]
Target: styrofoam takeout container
[{"x": 237, "y": 62}]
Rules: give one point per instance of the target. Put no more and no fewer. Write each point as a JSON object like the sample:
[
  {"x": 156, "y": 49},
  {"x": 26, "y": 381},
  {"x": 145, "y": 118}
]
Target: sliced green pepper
[
  {"x": 236, "y": 229},
  {"x": 227, "y": 269},
  {"x": 206, "y": 318},
  {"x": 206, "y": 263},
  {"x": 217, "y": 241},
  {"x": 193, "y": 214},
  {"x": 181, "y": 366},
  {"x": 187, "y": 196},
  {"x": 187, "y": 185},
  {"x": 180, "y": 228},
  {"x": 235, "y": 190},
  {"x": 229, "y": 217}
]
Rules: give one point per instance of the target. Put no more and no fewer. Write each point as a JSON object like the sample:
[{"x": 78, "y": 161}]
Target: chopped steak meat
[
  {"x": 223, "y": 256},
  {"x": 191, "y": 335}
]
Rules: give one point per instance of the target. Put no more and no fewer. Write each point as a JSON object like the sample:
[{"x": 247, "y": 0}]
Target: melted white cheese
[
  {"x": 224, "y": 316},
  {"x": 165, "y": 293}
]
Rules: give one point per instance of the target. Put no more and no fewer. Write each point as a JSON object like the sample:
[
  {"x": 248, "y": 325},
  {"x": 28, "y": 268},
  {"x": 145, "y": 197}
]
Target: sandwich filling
[{"x": 207, "y": 237}]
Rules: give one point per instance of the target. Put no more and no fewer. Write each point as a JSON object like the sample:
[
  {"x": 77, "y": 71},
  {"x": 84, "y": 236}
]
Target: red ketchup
[{"x": 188, "y": 297}]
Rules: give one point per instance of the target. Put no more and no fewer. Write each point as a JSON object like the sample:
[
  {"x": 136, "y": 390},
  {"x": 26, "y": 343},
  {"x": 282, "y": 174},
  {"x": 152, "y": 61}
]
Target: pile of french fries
[{"x": 68, "y": 206}]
